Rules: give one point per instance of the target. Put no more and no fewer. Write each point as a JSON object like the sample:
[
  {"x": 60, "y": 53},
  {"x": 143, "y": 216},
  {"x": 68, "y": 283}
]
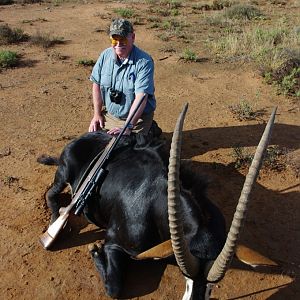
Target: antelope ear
[
  {"x": 160, "y": 251},
  {"x": 253, "y": 258}
]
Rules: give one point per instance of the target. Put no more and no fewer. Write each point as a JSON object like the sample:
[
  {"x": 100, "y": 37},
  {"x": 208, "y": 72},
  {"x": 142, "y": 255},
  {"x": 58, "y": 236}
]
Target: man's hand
[
  {"x": 97, "y": 123},
  {"x": 117, "y": 130}
]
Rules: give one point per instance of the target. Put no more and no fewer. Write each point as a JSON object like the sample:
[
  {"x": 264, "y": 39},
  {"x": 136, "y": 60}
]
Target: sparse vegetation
[
  {"x": 167, "y": 49},
  {"x": 34, "y": 20},
  {"x": 174, "y": 12},
  {"x": 166, "y": 8},
  {"x": 243, "y": 110},
  {"x": 274, "y": 159},
  {"x": 233, "y": 16},
  {"x": 8, "y": 59},
  {"x": 243, "y": 11},
  {"x": 124, "y": 12},
  {"x": 86, "y": 62},
  {"x": 164, "y": 37},
  {"x": 10, "y": 180},
  {"x": 11, "y": 36},
  {"x": 171, "y": 3},
  {"x": 45, "y": 40},
  {"x": 216, "y": 5},
  {"x": 286, "y": 77},
  {"x": 242, "y": 158},
  {"x": 164, "y": 12},
  {"x": 270, "y": 48},
  {"x": 289, "y": 82},
  {"x": 220, "y": 4},
  {"x": 173, "y": 28},
  {"x": 171, "y": 25},
  {"x": 189, "y": 55}
]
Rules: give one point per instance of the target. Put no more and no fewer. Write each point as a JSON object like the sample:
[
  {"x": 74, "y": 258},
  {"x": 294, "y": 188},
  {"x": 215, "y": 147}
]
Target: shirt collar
[
  {"x": 129, "y": 59},
  {"x": 131, "y": 56}
]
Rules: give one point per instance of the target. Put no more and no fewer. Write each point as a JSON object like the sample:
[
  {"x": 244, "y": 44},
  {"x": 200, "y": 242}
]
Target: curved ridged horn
[
  {"x": 187, "y": 263},
  {"x": 220, "y": 265}
]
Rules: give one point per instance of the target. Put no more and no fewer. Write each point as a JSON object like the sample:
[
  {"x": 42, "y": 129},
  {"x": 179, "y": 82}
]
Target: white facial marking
[{"x": 188, "y": 289}]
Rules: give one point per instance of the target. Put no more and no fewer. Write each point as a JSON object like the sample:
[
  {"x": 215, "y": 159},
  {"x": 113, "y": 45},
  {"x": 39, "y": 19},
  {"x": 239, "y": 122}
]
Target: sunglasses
[{"x": 120, "y": 40}]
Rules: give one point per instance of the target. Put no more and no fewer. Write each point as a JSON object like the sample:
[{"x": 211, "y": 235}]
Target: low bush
[
  {"x": 189, "y": 55},
  {"x": 242, "y": 158},
  {"x": 287, "y": 77},
  {"x": 11, "y": 36},
  {"x": 86, "y": 62},
  {"x": 243, "y": 110},
  {"x": 124, "y": 12},
  {"x": 8, "y": 59},
  {"x": 243, "y": 11},
  {"x": 269, "y": 48},
  {"x": 274, "y": 159},
  {"x": 171, "y": 3},
  {"x": 45, "y": 40}
]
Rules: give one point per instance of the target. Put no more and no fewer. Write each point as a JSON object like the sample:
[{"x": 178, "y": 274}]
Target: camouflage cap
[{"x": 120, "y": 27}]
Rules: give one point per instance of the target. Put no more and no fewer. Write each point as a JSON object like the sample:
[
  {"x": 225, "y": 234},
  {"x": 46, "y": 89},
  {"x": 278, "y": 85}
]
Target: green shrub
[
  {"x": 243, "y": 110},
  {"x": 243, "y": 11},
  {"x": 286, "y": 77},
  {"x": 172, "y": 26},
  {"x": 290, "y": 81},
  {"x": 174, "y": 12},
  {"x": 165, "y": 37},
  {"x": 11, "y": 36},
  {"x": 242, "y": 158},
  {"x": 124, "y": 12},
  {"x": 189, "y": 55},
  {"x": 275, "y": 158},
  {"x": 8, "y": 59},
  {"x": 86, "y": 62}
]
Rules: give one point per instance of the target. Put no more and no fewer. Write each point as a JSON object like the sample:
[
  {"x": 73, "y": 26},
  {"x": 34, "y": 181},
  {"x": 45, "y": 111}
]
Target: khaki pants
[{"x": 143, "y": 124}]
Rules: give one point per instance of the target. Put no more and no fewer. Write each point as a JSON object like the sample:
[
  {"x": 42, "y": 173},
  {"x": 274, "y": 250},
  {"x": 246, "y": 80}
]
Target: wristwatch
[{"x": 130, "y": 126}]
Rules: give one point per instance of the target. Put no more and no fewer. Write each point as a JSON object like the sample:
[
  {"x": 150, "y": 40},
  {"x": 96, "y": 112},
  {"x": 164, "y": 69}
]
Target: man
[{"x": 121, "y": 76}]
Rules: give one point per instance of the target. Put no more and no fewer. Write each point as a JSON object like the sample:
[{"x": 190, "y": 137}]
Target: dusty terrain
[{"x": 46, "y": 102}]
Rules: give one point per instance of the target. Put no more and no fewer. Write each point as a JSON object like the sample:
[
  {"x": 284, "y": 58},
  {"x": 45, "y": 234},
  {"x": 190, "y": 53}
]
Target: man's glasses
[{"x": 120, "y": 40}]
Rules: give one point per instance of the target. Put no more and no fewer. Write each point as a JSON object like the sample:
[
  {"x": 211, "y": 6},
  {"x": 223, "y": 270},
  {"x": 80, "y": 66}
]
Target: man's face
[{"x": 121, "y": 45}]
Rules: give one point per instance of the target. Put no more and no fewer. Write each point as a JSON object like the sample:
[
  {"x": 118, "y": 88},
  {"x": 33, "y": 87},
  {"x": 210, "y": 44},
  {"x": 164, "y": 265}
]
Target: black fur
[{"x": 132, "y": 204}]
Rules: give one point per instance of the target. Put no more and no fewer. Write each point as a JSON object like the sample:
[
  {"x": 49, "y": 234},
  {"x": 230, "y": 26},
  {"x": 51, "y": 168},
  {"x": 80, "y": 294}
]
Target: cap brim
[{"x": 117, "y": 32}]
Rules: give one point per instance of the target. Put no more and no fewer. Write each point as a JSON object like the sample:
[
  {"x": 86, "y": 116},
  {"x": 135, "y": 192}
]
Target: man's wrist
[{"x": 130, "y": 126}]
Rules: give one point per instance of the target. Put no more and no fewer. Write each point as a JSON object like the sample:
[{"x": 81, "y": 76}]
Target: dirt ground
[{"x": 46, "y": 102}]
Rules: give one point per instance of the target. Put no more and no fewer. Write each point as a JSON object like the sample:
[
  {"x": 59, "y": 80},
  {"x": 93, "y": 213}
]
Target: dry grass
[
  {"x": 45, "y": 40},
  {"x": 11, "y": 36},
  {"x": 267, "y": 47}
]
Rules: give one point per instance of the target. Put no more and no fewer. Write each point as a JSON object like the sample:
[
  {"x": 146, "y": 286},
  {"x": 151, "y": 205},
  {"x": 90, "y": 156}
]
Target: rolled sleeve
[
  {"x": 95, "y": 76},
  {"x": 96, "y": 72}
]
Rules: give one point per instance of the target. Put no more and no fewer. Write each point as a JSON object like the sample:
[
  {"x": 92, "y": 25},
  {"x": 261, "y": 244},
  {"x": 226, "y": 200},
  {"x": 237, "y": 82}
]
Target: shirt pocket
[
  {"x": 105, "y": 80},
  {"x": 130, "y": 81}
]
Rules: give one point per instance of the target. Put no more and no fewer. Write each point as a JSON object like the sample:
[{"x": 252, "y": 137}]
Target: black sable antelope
[{"x": 149, "y": 197}]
